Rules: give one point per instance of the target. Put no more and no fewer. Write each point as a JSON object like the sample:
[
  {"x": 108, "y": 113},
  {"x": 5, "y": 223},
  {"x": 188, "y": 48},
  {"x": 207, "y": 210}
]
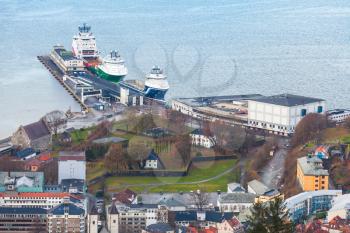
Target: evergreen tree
[
  {"x": 269, "y": 217},
  {"x": 277, "y": 217},
  {"x": 257, "y": 219}
]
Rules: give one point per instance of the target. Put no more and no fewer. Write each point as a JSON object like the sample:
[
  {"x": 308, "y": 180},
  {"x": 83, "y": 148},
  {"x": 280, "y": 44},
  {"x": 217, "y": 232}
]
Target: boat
[
  {"x": 84, "y": 44},
  {"x": 156, "y": 84},
  {"x": 112, "y": 68}
]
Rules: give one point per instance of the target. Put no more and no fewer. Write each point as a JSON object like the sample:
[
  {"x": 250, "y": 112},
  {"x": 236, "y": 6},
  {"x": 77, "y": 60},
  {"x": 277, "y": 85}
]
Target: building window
[
  {"x": 319, "y": 109},
  {"x": 303, "y": 112}
]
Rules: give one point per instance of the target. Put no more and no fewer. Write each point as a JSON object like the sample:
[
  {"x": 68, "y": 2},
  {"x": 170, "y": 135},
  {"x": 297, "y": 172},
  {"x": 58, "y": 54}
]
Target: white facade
[
  {"x": 92, "y": 223},
  {"x": 71, "y": 169},
  {"x": 340, "y": 207},
  {"x": 33, "y": 200},
  {"x": 338, "y": 115},
  {"x": 280, "y": 119},
  {"x": 66, "y": 63},
  {"x": 152, "y": 164},
  {"x": 113, "y": 223},
  {"x": 234, "y": 207},
  {"x": 84, "y": 43},
  {"x": 202, "y": 140}
]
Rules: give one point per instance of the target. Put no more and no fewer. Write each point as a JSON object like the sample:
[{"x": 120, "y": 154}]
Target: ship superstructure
[
  {"x": 156, "y": 84},
  {"x": 112, "y": 67},
  {"x": 84, "y": 43}
]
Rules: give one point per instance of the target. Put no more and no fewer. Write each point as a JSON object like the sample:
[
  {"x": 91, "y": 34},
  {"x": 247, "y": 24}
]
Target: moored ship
[
  {"x": 84, "y": 43},
  {"x": 112, "y": 68},
  {"x": 156, "y": 84}
]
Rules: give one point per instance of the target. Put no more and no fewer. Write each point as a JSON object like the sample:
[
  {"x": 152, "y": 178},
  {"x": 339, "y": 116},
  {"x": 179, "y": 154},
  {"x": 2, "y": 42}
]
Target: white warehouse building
[
  {"x": 71, "y": 165},
  {"x": 280, "y": 114}
]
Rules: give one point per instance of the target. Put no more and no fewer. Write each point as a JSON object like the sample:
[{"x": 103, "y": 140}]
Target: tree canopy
[{"x": 269, "y": 217}]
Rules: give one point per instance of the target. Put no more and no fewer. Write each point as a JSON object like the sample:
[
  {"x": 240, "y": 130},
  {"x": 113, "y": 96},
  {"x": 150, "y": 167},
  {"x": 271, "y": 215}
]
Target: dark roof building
[
  {"x": 124, "y": 197},
  {"x": 35, "y": 135},
  {"x": 22, "y": 220},
  {"x": 36, "y": 130},
  {"x": 206, "y": 216},
  {"x": 153, "y": 161},
  {"x": 66, "y": 217},
  {"x": 66, "y": 208},
  {"x": 73, "y": 185},
  {"x": 25, "y": 153},
  {"x": 288, "y": 100}
]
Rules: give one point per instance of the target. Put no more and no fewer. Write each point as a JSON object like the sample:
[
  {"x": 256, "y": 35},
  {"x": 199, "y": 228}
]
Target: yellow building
[
  {"x": 271, "y": 195},
  {"x": 311, "y": 174}
]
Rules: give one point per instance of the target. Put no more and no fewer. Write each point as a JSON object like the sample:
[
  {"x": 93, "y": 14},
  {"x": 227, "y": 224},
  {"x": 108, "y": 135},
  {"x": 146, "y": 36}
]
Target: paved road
[{"x": 273, "y": 171}]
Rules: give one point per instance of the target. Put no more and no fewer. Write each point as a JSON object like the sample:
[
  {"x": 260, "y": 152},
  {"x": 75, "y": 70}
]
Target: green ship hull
[{"x": 105, "y": 76}]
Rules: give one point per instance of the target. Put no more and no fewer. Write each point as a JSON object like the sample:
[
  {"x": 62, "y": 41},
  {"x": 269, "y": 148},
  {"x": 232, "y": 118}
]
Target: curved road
[{"x": 151, "y": 185}]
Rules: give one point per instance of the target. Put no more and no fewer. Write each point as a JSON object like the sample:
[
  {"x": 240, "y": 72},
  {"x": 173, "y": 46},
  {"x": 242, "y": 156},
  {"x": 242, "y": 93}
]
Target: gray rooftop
[
  {"x": 185, "y": 198},
  {"x": 208, "y": 100},
  {"x": 288, "y": 100},
  {"x": 237, "y": 198},
  {"x": 235, "y": 187},
  {"x": 258, "y": 187},
  {"x": 34, "y": 179},
  {"x": 312, "y": 166}
]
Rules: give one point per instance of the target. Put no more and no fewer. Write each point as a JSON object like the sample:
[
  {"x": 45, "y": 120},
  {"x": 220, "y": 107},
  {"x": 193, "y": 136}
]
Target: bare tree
[
  {"x": 200, "y": 199},
  {"x": 116, "y": 159},
  {"x": 177, "y": 122},
  {"x": 309, "y": 128},
  {"x": 55, "y": 120},
  {"x": 183, "y": 146},
  {"x": 138, "y": 150},
  {"x": 229, "y": 138},
  {"x": 347, "y": 123}
]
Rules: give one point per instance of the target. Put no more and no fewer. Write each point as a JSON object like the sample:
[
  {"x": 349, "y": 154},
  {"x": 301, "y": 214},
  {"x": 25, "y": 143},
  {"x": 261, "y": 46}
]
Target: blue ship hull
[{"x": 155, "y": 93}]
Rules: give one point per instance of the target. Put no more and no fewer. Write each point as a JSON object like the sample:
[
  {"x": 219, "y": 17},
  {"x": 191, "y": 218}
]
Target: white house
[
  {"x": 71, "y": 165},
  {"x": 235, "y": 202},
  {"x": 153, "y": 161},
  {"x": 200, "y": 139},
  {"x": 280, "y": 114}
]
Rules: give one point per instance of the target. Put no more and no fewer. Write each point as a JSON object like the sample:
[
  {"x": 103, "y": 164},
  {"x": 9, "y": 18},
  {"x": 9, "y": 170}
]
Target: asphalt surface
[{"x": 271, "y": 174}]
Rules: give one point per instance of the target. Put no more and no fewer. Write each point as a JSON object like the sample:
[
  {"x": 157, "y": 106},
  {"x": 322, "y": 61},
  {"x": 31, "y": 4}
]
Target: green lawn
[
  {"x": 201, "y": 171},
  {"x": 80, "y": 135}
]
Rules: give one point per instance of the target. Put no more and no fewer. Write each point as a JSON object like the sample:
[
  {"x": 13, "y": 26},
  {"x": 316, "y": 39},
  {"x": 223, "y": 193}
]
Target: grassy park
[{"x": 200, "y": 171}]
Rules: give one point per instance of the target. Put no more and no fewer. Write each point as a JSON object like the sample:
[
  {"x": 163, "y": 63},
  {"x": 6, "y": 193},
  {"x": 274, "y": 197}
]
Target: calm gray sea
[{"x": 206, "y": 47}]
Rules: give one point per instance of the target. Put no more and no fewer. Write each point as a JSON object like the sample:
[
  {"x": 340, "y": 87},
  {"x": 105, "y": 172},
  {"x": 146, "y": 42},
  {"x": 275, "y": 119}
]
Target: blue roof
[
  {"x": 66, "y": 208},
  {"x": 25, "y": 152},
  {"x": 213, "y": 216},
  {"x": 159, "y": 228},
  {"x": 189, "y": 215},
  {"x": 148, "y": 206},
  {"x": 198, "y": 132},
  {"x": 210, "y": 216},
  {"x": 24, "y": 210},
  {"x": 152, "y": 155}
]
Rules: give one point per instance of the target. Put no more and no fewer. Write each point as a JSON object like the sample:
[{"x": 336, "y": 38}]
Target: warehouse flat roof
[{"x": 288, "y": 100}]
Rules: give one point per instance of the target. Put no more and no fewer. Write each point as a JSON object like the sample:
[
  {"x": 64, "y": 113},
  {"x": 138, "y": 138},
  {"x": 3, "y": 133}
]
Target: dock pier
[{"x": 58, "y": 75}]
